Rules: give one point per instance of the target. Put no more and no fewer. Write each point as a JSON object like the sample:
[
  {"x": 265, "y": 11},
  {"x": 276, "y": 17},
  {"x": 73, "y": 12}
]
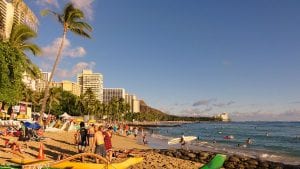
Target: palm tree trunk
[
  {"x": 58, "y": 56},
  {"x": 50, "y": 106}
]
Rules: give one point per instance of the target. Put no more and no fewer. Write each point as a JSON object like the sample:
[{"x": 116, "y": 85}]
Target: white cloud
[
  {"x": 47, "y": 2},
  {"x": 65, "y": 74},
  {"x": 50, "y": 51},
  {"x": 85, "y": 6}
]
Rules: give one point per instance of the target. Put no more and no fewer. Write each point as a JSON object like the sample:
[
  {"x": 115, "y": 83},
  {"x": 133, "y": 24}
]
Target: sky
[{"x": 196, "y": 58}]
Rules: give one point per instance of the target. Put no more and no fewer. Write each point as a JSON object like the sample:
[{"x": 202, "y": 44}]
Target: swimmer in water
[{"x": 248, "y": 141}]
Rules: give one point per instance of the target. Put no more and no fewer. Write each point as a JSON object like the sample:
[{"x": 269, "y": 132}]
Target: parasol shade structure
[{"x": 34, "y": 126}]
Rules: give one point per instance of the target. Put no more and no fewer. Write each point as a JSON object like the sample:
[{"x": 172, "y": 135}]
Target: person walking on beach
[
  {"x": 107, "y": 142},
  {"x": 182, "y": 141},
  {"x": 136, "y": 131},
  {"x": 91, "y": 134},
  {"x": 99, "y": 143},
  {"x": 81, "y": 138}
]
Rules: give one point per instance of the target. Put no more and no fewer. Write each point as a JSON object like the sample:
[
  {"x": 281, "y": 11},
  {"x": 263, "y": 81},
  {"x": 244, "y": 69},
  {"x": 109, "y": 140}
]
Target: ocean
[{"x": 274, "y": 141}]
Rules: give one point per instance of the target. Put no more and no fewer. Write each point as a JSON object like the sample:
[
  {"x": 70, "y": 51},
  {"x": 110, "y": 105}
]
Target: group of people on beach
[
  {"x": 97, "y": 138},
  {"x": 23, "y": 135}
]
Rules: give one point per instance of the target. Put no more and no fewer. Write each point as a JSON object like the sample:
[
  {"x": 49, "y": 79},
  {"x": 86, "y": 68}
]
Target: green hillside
[{"x": 148, "y": 113}]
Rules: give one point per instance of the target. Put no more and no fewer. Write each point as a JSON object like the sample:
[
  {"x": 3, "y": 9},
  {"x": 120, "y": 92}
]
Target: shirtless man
[
  {"x": 99, "y": 142},
  {"x": 91, "y": 134}
]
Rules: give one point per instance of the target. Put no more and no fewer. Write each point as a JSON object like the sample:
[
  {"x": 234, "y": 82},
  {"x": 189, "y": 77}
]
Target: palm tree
[
  {"x": 72, "y": 20},
  {"x": 54, "y": 96},
  {"x": 20, "y": 37},
  {"x": 80, "y": 105}
]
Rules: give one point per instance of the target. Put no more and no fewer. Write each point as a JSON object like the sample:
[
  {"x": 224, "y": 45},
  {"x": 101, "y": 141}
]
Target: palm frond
[
  {"x": 80, "y": 32},
  {"x": 80, "y": 25},
  {"x": 46, "y": 12},
  {"x": 21, "y": 33},
  {"x": 33, "y": 48}
]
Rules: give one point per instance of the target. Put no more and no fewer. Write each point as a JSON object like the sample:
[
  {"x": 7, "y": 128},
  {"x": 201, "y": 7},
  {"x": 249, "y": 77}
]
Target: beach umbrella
[{"x": 34, "y": 126}]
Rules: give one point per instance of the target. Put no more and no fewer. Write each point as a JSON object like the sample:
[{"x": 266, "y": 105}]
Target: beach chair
[{"x": 216, "y": 163}]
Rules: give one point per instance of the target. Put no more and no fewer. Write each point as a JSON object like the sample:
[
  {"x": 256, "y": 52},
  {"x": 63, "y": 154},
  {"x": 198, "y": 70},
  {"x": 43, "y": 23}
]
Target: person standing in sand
[
  {"x": 91, "y": 134},
  {"x": 182, "y": 141},
  {"x": 99, "y": 142},
  {"x": 81, "y": 138},
  {"x": 107, "y": 142}
]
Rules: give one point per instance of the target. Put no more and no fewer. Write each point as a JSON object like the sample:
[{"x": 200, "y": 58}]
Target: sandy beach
[
  {"x": 57, "y": 143},
  {"x": 62, "y": 143}
]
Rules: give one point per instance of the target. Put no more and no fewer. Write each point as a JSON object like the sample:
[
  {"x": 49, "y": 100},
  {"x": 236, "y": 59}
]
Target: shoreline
[
  {"x": 158, "y": 141},
  {"x": 57, "y": 143}
]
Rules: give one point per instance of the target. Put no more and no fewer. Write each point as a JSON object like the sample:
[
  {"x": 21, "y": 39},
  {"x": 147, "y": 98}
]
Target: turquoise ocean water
[{"x": 275, "y": 141}]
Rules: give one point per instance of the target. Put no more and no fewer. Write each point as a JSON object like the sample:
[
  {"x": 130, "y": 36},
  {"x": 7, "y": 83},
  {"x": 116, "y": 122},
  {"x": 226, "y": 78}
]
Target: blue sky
[{"x": 188, "y": 57}]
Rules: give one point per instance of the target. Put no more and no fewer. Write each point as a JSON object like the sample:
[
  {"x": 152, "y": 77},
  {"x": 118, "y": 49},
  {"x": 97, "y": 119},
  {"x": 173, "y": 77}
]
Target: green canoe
[{"x": 216, "y": 163}]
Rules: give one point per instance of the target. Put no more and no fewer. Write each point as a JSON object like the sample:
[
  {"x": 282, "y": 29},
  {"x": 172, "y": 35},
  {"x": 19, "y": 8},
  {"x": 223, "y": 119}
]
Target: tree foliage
[{"x": 11, "y": 70}]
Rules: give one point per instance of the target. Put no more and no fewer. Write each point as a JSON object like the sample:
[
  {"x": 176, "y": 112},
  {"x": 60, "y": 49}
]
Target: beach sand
[{"x": 63, "y": 142}]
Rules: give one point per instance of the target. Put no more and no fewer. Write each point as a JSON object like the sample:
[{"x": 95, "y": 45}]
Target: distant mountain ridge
[{"x": 148, "y": 113}]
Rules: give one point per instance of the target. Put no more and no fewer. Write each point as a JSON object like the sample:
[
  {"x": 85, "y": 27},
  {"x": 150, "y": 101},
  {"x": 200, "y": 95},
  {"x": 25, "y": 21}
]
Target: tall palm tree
[
  {"x": 54, "y": 96},
  {"x": 71, "y": 20},
  {"x": 20, "y": 37}
]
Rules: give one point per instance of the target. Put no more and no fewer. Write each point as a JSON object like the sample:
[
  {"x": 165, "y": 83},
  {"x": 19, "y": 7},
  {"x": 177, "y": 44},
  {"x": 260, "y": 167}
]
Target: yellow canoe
[
  {"x": 28, "y": 161},
  {"x": 77, "y": 165}
]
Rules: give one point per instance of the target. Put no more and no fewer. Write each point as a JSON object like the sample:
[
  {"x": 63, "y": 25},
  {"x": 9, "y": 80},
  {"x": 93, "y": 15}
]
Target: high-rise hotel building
[
  {"x": 87, "y": 79},
  {"x": 133, "y": 102},
  {"x": 41, "y": 83},
  {"x": 109, "y": 93},
  {"x": 15, "y": 12},
  {"x": 69, "y": 86}
]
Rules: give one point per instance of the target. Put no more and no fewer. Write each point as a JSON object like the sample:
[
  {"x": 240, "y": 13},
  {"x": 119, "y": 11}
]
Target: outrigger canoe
[
  {"x": 28, "y": 161},
  {"x": 216, "y": 163},
  {"x": 77, "y": 165}
]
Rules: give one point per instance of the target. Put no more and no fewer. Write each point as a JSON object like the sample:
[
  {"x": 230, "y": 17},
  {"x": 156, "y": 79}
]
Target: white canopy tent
[{"x": 65, "y": 116}]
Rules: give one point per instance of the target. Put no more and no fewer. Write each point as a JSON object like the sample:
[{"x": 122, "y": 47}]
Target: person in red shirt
[{"x": 107, "y": 142}]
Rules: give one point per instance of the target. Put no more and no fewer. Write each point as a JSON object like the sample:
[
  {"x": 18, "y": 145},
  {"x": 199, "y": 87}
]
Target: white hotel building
[
  {"x": 133, "y": 102},
  {"x": 87, "y": 79},
  {"x": 109, "y": 93},
  {"x": 15, "y": 12}
]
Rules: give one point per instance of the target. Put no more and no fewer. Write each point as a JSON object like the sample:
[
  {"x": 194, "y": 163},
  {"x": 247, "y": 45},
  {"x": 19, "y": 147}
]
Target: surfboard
[{"x": 177, "y": 140}]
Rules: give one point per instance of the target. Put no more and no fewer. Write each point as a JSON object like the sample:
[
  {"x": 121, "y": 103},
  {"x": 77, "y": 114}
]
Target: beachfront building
[
  {"x": 28, "y": 81},
  {"x": 109, "y": 93},
  {"x": 69, "y": 86},
  {"x": 87, "y": 79},
  {"x": 41, "y": 83},
  {"x": 223, "y": 116},
  {"x": 133, "y": 102},
  {"x": 15, "y": 12}
]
